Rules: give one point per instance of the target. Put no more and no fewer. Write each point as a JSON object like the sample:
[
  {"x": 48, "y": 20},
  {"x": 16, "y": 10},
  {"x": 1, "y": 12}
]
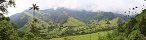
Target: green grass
[
  {"x": 93, "y": 36},
  {"x": 113, "y": 23},
  {"x": 73, "y": 22}
]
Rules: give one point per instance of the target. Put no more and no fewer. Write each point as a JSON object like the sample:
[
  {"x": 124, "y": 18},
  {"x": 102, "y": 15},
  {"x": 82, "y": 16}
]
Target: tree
[
  {"x": 8, "y": 31},
  {"x": 33, "y": 25},
  {"x": 34, "y": 8},
  {"x": 30, "y": 36},
  {"x": 135, "y": 35},
  {"x": 4, "y": 4},
  {"x": 143, "y": 26}
]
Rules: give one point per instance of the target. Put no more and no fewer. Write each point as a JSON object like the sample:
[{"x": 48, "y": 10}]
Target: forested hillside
[
  {"x": 134, "y": 29},
  {"x": 60, "y": 15}
]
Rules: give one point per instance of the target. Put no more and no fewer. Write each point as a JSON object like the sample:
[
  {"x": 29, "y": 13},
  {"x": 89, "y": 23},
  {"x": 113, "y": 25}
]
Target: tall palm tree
[{"x": 34, "y": 8}]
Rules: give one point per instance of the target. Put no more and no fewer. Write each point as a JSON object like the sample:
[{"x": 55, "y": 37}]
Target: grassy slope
[
  {"x": 73, "y": 22},
  {"x": 93, "y": 36},
  {"x": 138, "y": 17},
  {"x": 39, "y": 24},
  {"x": 113, "y": 23}
]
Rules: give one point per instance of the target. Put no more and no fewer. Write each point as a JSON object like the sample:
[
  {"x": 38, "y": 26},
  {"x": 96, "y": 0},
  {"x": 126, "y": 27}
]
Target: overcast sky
[{"x": 117, "y": 6}]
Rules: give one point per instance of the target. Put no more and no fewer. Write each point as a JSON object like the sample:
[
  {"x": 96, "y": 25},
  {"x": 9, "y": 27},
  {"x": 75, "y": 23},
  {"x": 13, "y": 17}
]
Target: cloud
[{"x": 117, "y": 6}]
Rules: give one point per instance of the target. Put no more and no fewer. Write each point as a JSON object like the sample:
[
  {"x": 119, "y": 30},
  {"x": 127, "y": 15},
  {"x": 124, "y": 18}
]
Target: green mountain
[
  {"x": 62, "y": 22},
  {"x": 134, "y": 29},
  {"x": 59, "y": 16},
  {"x": 136, "y": 23}
]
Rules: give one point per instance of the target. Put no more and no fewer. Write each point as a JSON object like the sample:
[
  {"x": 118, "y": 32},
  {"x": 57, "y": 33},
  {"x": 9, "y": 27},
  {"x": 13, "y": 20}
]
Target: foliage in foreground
[
  {"x": 9, "y": 32},
  {"x": 131, "y": 30}
]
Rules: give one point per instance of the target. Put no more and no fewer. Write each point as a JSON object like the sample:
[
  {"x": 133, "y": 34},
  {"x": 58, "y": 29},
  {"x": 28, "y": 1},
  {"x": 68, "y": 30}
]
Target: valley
[{"x": 69, "y": 24}]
